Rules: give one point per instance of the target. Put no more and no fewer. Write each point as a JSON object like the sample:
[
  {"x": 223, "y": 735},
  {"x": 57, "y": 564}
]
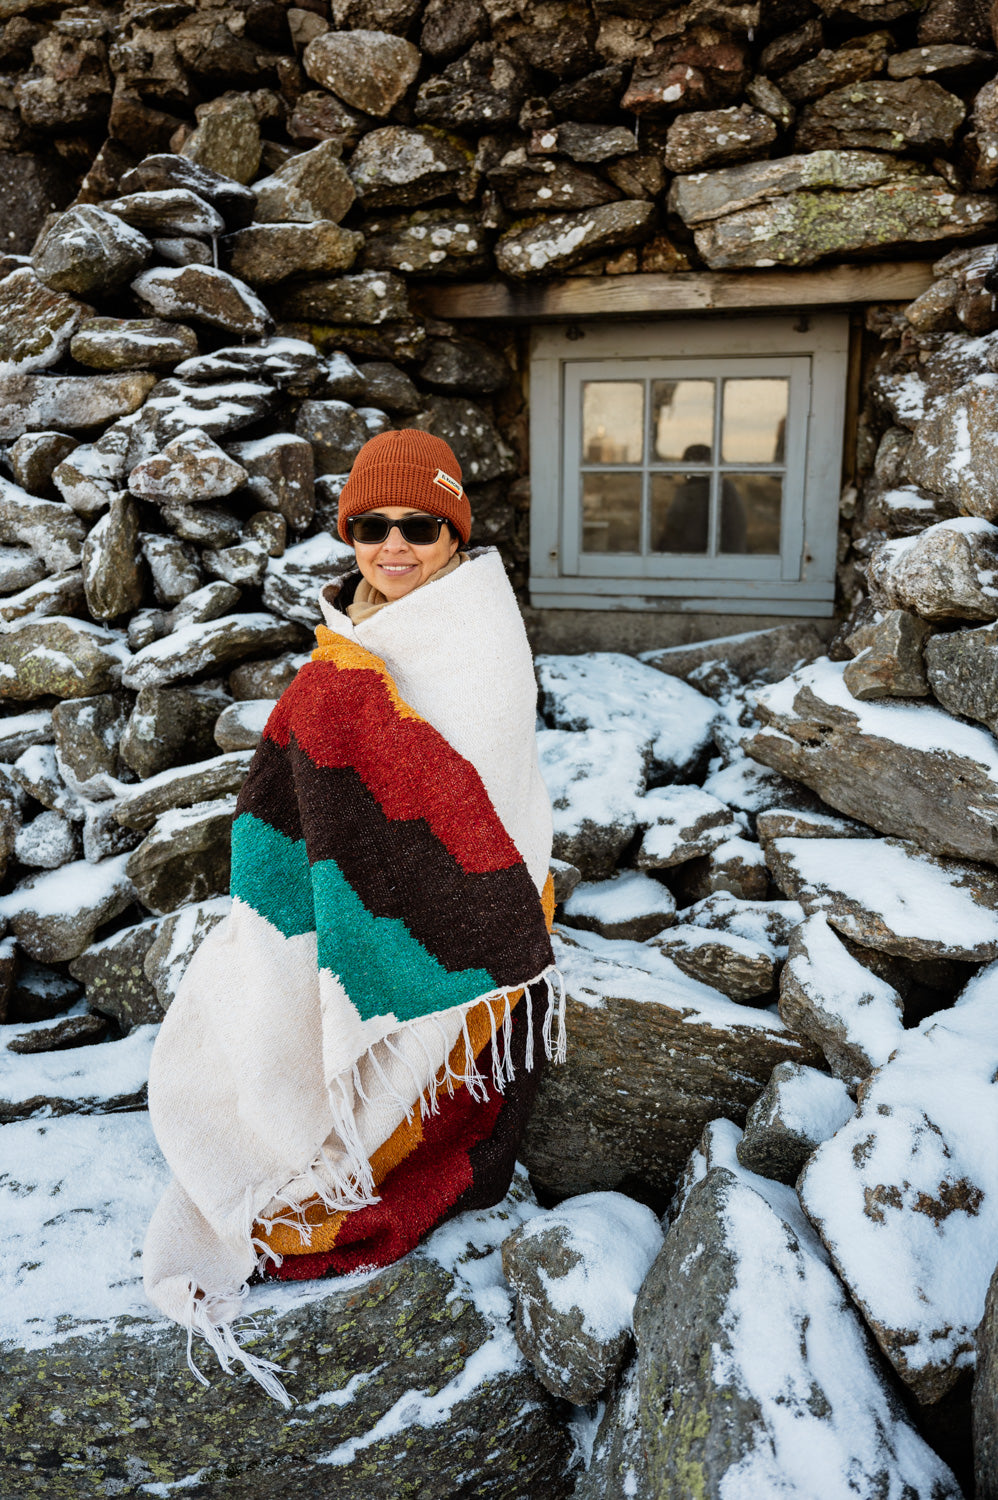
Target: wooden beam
[{"x": 687, "y": 291}]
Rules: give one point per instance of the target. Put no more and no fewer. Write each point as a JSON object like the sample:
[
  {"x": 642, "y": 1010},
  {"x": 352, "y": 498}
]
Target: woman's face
[{"x": 396, "y": 566}]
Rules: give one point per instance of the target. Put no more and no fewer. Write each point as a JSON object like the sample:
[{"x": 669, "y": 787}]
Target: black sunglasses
[{"x": 418, "y": 530}]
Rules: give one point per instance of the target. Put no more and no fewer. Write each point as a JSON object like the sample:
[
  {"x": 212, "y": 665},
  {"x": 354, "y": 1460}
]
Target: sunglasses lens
[
  {"x": 419, "y": 531},
  {"x": 368, "y": 529}
]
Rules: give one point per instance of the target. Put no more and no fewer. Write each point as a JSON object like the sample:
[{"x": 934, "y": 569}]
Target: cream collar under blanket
[{"x": 257, "y": 1085}]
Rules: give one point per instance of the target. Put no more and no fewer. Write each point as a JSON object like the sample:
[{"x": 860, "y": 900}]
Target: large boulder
[
  {"x": 905, "y": 1196},
  {"x": 911, "y": 770},
  {"x": 58, "y": 657},
  {"x": 461, "y": 1406},
  {"x": 606, "y": 690},
  {"x": 652, "y": 1057},
  {"x": 751, "y": 1360}
]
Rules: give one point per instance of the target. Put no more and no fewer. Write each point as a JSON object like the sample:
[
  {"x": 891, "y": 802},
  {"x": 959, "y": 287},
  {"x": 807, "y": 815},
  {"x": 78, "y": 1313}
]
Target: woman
[{"x": 353, "y": 1051}]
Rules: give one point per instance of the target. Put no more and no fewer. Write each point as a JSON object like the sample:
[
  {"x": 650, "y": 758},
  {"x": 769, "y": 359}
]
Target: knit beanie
[{"x": 412, "y": 468}]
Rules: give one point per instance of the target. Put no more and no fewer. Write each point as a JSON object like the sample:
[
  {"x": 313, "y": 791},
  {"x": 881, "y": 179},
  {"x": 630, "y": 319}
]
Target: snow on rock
[
  {"x": 755, "y": 1374},
  {"x": 797, "y": 1110},
  {"x": 745, "y": 785},
  {"x": 594, "y": 778},
  {"x": 577, "y": 1272},
  {"x": 241, "y": 725},
  {"x": 607, "y": 690},
  {"x": 76, "y": 1195},
  {"x": 191, "y": 467},
  {"x": 684, "y": 823},
  {"x": 181, "y": 786},
  {"x": 98, "y": 1079},
  {"x": 906, "y": 1195},
  {"x": 825, "y": 993},
  {"x": 628, "y": 905},
  {"x": 909, "y": 769},
  {"x": 54, "y": 915},
  {"x": 739, "y": 967},
  {"x": 47, "y": 842},
  {"x": 652, "y": 1057},
  {"x": 179, "y": 937},
  {"x": 292, "y": 582},
  {"x": 889, "y": 895},
  {"x": 212, "y": 644},
  {"x": 763, "y": 922}
]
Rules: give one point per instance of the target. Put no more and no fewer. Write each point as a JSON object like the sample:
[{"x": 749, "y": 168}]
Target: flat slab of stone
[
  {"x": 906, "y": 769},
  {"x": 182, "y": 786},
  {"x": 463, "y": 1402},
  {"x": 905, "y": 1196},
  {"x": 890, "y": 895},
  {"x": 751, "y": 1360},
  {"x": 100, "y": 1079},
  {"x": 799, "y": 209},
  {"x": 652, "y": 1057},
  {"x": 196, "y": 649},
  {"x": 204, "y": 295},
  {"x": 34, "y": 403},
  {"x": 54, "y": 914},
  {"x": 563, "y": 240},
  {"x": 629, "y": 904},
  {"x": 741, "y": 968},
  {"x": 753, "y": 655},
  {"x": 608, "y": 690}
]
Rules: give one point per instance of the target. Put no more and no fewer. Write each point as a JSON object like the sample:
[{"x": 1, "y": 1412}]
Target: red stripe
[
  {"x": 345, "y": 718},
  {"x": 415, "y": 1195}
]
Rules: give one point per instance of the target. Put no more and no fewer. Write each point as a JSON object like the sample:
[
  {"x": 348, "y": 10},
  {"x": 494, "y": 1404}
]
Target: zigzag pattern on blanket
[
  {"x": 462, "y": 1157},
  {"x": 359, "y": 821}
]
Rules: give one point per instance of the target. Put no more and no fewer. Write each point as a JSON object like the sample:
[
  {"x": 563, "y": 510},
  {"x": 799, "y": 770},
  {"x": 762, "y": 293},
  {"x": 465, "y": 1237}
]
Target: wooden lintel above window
[{"x": 687, "y": 291}]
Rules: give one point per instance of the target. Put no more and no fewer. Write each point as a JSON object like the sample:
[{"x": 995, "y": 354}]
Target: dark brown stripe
[{"x": 491, "y": 920}]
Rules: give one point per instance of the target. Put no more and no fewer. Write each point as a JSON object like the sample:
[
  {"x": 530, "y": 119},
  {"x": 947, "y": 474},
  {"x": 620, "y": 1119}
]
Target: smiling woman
[{"x": 353, "y": 1052}]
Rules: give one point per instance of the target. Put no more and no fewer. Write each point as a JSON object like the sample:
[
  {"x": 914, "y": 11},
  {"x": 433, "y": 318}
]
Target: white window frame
[{"x": 811, "y": 351}]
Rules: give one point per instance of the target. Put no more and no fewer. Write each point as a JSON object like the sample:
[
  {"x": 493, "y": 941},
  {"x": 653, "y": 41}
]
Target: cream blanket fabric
[{"x": 266, "y": 1086}]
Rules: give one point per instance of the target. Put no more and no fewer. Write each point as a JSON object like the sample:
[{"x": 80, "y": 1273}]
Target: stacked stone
[{"x": 537, "y": 138}]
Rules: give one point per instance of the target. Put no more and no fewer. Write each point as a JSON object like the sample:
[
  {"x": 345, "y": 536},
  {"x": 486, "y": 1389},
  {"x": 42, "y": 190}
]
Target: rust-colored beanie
[{"x": 411, "y": 468}]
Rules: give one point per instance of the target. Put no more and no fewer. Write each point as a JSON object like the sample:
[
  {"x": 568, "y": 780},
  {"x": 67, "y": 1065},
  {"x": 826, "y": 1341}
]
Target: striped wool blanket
[{"x": 353, "y": 1051}]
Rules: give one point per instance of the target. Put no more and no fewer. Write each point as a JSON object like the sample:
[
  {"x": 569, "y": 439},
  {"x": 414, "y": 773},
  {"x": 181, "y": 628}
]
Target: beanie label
[{"x": 446, "y": 482}]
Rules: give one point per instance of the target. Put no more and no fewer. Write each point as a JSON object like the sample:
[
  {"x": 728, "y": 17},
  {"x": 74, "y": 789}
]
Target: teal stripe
[
  {"x": 270, "y": 873},
  {"x": 380, "y": 964}
]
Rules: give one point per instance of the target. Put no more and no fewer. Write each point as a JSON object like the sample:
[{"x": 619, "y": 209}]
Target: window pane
[
  {"x": 683, "y": 420},
  {"x": 613, "y": 421},
  {"x": 680, "y": 512},
  {"x": 750, "y": 513},
  {"x": 753, "y": 426},
  {"x": 611, "y": 512}
]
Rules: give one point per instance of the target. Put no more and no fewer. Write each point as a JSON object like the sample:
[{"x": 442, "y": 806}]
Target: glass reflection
[
  {"x": 683, "y": 419},
  {"x": 613, "y": 421},
  {"x": 611, "y": 512},
  {"x": 680, "y": 512},
  {"x": 754, "y": 421},
  {"x": 759, "y": 498}
]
